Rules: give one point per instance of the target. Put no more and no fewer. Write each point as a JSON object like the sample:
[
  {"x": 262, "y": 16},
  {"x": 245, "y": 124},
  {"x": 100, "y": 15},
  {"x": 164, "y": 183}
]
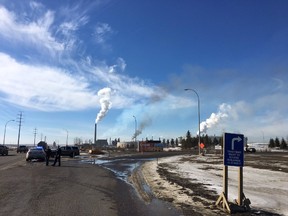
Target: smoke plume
[
  {"x": 223, "y": 112},
  {"x": 104, "y": 95},
  {"x": 143, "y": 124}
]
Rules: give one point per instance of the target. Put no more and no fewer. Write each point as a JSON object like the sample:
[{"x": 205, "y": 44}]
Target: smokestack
[
  {"x": 143, "y": 124},
  {"x": 95, "y": 133}
]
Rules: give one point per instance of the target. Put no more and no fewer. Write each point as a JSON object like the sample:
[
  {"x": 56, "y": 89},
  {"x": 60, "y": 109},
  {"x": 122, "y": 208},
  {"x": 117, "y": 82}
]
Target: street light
[
  {"x": 66, "y": 137},
  {"x": 199, "y": 141},
  {"x": 5, "y": 130},
  {"x": 135, "y": 128}
]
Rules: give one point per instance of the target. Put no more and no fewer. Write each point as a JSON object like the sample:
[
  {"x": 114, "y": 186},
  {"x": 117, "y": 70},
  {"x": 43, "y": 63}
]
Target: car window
[{"x": 35, "y": 150}]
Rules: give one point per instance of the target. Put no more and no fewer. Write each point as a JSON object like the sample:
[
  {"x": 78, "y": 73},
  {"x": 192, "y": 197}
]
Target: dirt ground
[{"x": 195, "y": 198}]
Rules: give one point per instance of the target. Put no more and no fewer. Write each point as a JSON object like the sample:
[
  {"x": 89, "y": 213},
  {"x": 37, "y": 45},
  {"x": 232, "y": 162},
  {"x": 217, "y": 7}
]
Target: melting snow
[{"x": 267, "y": 190}]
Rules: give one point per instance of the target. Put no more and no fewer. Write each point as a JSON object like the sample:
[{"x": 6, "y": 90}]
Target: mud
[{"x": 200, "y": 201}]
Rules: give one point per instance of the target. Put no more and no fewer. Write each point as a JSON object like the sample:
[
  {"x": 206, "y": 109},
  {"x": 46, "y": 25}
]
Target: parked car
[
  {"x": 22, "y": 148},
  {"x": 3, "y": 150},
  {"x": 70, "y": 151},
  {"x": 43, "y": 144},
  {"x": 36, "y": 154},
  {"x": 250, "y": 150},
  {"x": 76, "y": 150}
]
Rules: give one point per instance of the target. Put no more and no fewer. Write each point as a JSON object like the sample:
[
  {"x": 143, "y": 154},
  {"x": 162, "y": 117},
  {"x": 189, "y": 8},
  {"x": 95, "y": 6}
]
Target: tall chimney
[{"x": 95, "y": 134}]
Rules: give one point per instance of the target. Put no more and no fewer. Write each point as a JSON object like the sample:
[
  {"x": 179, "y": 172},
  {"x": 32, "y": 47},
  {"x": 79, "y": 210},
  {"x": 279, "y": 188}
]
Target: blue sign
[{"x": 233, "y": 149}]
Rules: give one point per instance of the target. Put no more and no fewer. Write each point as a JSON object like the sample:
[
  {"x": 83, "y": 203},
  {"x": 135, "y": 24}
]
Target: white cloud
[
  {"x": 126, "y": 90},
  {"x": 35, "y": 5},
  {"x": 102, "y": 32},
  {"x": 279, "y": 83},
  {"x": 121, "y": 65},
  {"x": 50, "y": 88},
  {"x": 42, "y": 87},
  {"x": 37, "y": 32}
]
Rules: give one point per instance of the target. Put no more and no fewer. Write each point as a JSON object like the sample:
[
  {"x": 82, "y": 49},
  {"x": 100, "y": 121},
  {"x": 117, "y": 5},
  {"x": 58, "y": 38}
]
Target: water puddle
[{"x": 122, "y": 168}]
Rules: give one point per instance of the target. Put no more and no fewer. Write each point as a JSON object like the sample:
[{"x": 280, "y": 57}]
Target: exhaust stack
[{"x": 95, "y": 133}]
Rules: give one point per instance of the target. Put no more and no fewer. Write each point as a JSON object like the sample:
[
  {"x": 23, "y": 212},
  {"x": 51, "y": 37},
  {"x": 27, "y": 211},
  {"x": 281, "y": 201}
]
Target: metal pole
[
  {"x": 199, "y": 133},
  {"x": 20, "y": 123},
  {"x": 67, "y": 138},
  {"x": 5, "y": 130},
  {"x": 135, "y": 128},
  {"x": 35, "y": 132}
]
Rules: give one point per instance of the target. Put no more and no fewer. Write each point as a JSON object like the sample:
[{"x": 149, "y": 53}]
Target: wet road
[
  {"x": 122, "y": 167},
  {"x": 78, "y": 187}
]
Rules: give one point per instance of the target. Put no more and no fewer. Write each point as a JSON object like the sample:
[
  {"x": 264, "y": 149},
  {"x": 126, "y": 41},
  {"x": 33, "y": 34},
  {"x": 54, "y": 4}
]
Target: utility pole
[
  {"x": 35, "y": 133},
  {"x": 20, "y": 124}
]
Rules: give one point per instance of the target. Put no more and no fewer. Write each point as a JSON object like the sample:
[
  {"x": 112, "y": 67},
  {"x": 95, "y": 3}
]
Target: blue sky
[{"x": 62, "y": 62}]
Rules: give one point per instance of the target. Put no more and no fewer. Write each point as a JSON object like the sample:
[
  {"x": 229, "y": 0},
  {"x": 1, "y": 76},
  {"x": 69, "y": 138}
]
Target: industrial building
[{"x": 150, "y": 146}]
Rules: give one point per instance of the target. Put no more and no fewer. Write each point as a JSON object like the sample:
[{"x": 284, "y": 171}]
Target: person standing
[
  {"x": 57, "y": 157},
  {"x": 48, "y": 155}
]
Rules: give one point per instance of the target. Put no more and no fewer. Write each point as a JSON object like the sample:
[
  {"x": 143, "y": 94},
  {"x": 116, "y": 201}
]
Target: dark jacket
[
  {"x": 59, "y": 152},
  {"x": 48, "y": 152}
]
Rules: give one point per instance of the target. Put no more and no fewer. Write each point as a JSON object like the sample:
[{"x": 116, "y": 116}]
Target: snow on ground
[{"x": 267, "y": 190}]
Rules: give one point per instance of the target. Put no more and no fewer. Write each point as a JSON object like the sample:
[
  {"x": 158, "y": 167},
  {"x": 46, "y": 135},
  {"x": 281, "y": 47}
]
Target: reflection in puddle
[{"x": 122, "y": 168}]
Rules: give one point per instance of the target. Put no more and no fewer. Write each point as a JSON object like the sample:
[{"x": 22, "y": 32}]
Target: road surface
[{"x": 75, "y": 188}]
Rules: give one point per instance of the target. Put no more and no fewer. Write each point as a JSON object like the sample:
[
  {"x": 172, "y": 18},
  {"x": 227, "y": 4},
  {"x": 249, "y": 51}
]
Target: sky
[{"x": 125, "y": 64}]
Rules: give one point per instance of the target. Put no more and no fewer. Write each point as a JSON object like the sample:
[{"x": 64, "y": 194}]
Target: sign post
[{"x": 233, "y": 156}]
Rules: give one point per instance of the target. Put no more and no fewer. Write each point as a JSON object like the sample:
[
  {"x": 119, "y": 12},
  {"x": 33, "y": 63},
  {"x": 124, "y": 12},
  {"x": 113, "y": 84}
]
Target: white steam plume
[
  {"x": 223, "y": 112},
  {"x": 104, "y": 95}
]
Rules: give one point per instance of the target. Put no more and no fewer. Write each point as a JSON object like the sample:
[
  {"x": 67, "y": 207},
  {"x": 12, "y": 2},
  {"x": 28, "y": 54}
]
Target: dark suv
[
  {"x": 70, "y": 151},
  {"x": 3, "y": 150},
  {"x": 22, "y": 148}
]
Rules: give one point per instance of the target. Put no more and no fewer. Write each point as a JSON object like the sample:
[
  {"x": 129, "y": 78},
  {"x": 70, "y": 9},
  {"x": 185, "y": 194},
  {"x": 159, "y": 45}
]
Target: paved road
[
  {"x": 11, "y": 160},
  {"x": 75, "y": 188}
]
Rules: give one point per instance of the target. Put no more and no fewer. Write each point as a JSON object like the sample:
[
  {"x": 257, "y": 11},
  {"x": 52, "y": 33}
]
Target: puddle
[{"x": 122, "y": 168}]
